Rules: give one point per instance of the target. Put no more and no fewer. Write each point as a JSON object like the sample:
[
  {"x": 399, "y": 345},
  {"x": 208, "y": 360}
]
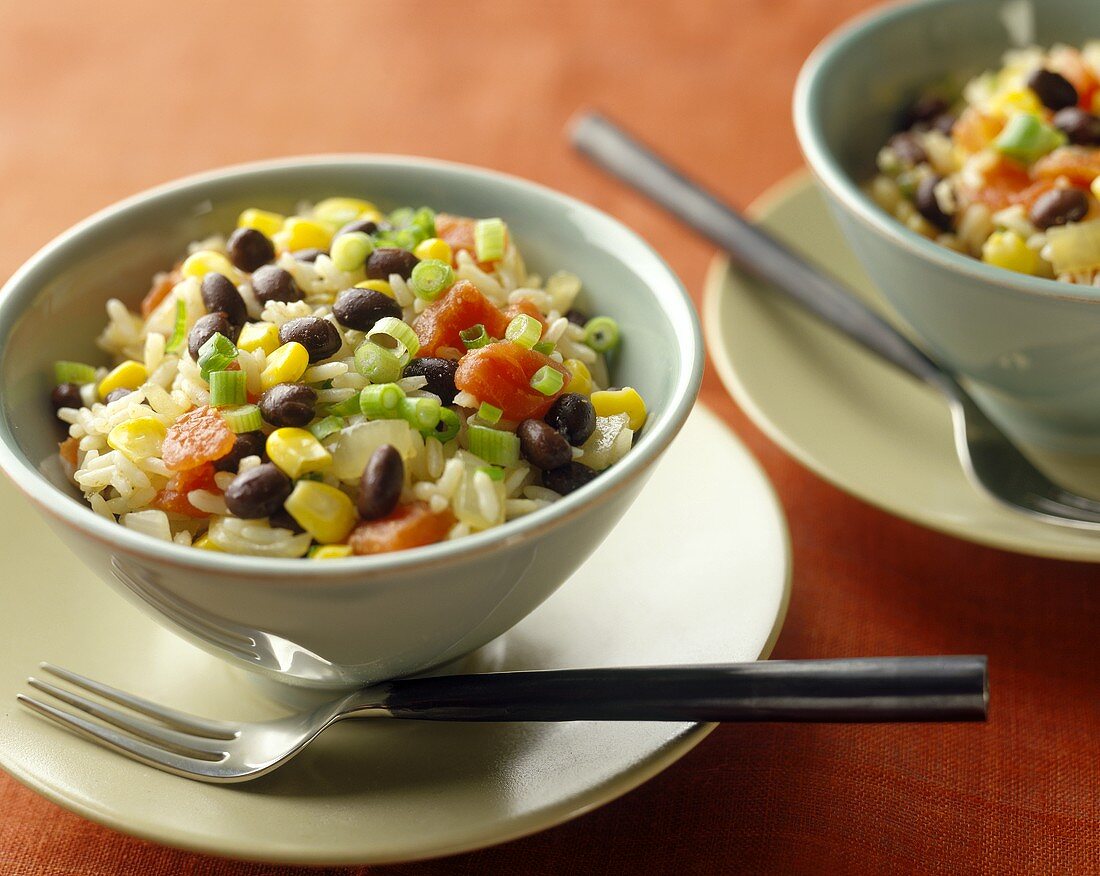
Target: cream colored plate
[
  {"x": 854, "y": 420},
  {"x": 371, "y": 792}
]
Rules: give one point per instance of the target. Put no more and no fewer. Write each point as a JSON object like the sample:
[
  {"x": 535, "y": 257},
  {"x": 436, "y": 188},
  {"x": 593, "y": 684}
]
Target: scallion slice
[
  {"x": 393, "y": 334},
  {"x": 350, "y": 250},
  {"x": 493, "y": 445},
  {"x": 524, "y": 330},
  {"x": 489, "y": 240},
  {"x": 227, "y": 388},
  {"x": 544, "y": 347},
  {"x": 246, "y": 418},
  {"x": 421, "y": 413},
  {"x": 448, "y": 427},
  {"x": 495, "y": 472},
  {"x": 73, "y": 372},
  {"x": 179, "y": 329},
  {"x": 489, "y": 413},
  {"x": 216, "y": 354},
  {"x": 430, "y": 278},
  {"x": 547, "y": 380},
  {"x": 349, "y": 407},
  {"x": 601, "y": 333},
  {"x": 377, "y": 364},
  {"x": 381, "y": 401},
  {"x": 474, "y": 337},
  {"x": 328, "y": 426}
]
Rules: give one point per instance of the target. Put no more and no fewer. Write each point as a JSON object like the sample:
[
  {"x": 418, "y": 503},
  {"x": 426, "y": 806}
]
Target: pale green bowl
[{"x": 1029, "y": 347}]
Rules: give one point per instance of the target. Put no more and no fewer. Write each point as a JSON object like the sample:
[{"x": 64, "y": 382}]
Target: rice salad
[
  {"x": 340, "y": 382},
  {"x": 1009, "y": 172}
]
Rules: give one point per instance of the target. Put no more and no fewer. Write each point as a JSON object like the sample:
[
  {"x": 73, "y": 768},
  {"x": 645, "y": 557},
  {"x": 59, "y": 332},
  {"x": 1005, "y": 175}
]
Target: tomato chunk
[
  {"x": 1005, "y": 181},
  {"x": 1080, "y": 164},
  {"x": 462, "y": 307},
  {"x": 173, "y": 498},
  {"x": 199, "y": 436},
  {"x": 407, "y": 526},
  {"x": 458, "y": 232},
  {"x": 501, "y": 373},
  {"x": 974, "y": 130},
  {"x": 523, "y": 306},
  {"x": 159, "y": 291},
  {"x": 68, "y": 450}
]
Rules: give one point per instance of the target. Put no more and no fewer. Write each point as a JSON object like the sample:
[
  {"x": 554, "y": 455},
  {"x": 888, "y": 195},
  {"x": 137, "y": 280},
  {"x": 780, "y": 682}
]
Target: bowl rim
[
  {"x": 668, "y": 290},
  {"x": 813, "y": 80}
]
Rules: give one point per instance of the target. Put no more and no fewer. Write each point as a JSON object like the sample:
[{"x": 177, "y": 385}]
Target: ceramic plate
[
  {"x": 851, "y": 418},
  {"x": 371, "y": 792}
]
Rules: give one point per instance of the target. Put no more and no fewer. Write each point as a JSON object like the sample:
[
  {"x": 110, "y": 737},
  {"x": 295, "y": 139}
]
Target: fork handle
[{"x": 844, "y": 690}]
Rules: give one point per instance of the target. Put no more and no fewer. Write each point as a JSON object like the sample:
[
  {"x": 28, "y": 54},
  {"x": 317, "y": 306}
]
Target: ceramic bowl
[
  {"x": 1029, "y": 347},
  {"x": 361, "y": 619}
]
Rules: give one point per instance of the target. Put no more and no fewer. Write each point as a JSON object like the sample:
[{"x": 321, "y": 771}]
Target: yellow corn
[
  {"x": 1017, "y": 100},
  {"x": 609, "y": 402},
  {"x": 259, "y": 336},
  {"x": 297, "y": 452},
  {"x": 299, "y": 233},
  {"x": 384, "y": 287},
  {"x": 139, "y": 438},
  {"x": 204, "y": 543},
  {"x": 1096, "y": 182},
  {"x": 581, "y": 381},
  {"x": 264, "y": 221},
  {"x": 284, "y": 365},
  {"x": 1007, "y": 249},
  {"x": 338, "y": 212},
  {"x": 433, "y": 248},
  {"x": 330, "y": 552},
  {"x": 324, "y": 512},
  {"x": 128, "y": 375},
  {"x": 206, "y": 261}
]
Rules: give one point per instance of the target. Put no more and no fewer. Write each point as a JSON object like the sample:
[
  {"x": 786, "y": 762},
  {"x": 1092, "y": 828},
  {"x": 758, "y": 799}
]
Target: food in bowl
[
  {"x": 341, "y": 382},
  {"x": 1010, "y": 172}
]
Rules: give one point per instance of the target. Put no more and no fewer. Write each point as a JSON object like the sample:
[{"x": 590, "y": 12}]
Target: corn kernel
[
  {"x": 1022, "y": 100},
  {"x": 581, "y": 381},
  {"x": 297, "y": 452},
  {"x": 609, "y": 402},
  {"x": 129, "y": 375},
  {"x": 205, "y": 543},
  {"x": 434, "y": 248},
  {"x": 338, "y": 212},
  {"x": 206, "y": 261},
  {"x": 264, "y": 221},
  {"x": 1007, "y": 249},
  {"x": 384, "y": 287},
  {"x": 139, "y": 438},
  {"x": 1095, "y": 187},
  {"x": 259, "y": 336},
  {"x": 284, "y": 365},
  {"x": 324, "y": 512},
  {"x": 330, "y": 552},
  {"x": 299, "y": 233}
]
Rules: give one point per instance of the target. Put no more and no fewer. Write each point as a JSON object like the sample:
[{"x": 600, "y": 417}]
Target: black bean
[
  {"x": 381, "y": 483},
  {"x": 928, "y": 204},
  {"x": 569, "y": 477},
  {"x": 245, "y": 444},
  {"x": 288, "y": 404},
  {"x": 367, "y": 226},
  {"x": 115, "y": 394},
  {"x": 206, "y": 327},
  {"x": 283, "y": 519},
  {"x": 573, "y": 415},
  {"x": 390, "y": 260},
  {"x": 66, "y": 395},
  {"x": 219, "y": 293},
  {"x": 361, "y": 308},
  {"x": 1052, "y": 89},
  {"x": 258, "y": 492},
  {"x": 1082, "y": 128},
  {"x": 308, "y": 255},
  {"x": 250, "y": 249},
  {"x": 543, "y": 445},
  {"x": 1058, "y": 207},
  {"x": 577, "y": 317},
  {"x": 319, "y": 336},
  {"x": 908, "y": 148},
  {"x": 271, "y": 283},
  {"x": 440, "y": 374},
  {"x": 922, "y": 111}
]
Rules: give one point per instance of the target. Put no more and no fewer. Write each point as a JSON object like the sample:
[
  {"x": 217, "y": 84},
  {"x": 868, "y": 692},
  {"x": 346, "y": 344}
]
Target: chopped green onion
[
  {"x": 430, "y": 278},
  {"x": 524, "y": 330},
  {"x": 381, "y": 401},
  {"x": 349, "y": 407},
  {"x": 547, "y": 380},
  {"x": 227, "y": 388},
  {"x": 601, "y": 333},
  {"x": 393, "y": 334},
  {"x": 377, "y": 364},
  {"x": 350, "y": 250},
  {"x": 489, "y": 413},
  {"x": 544, "y": 347},
  {"x": 216, "y": 354},
  {"x": 73, "y": 372},
  {"x": 421, "y": 413},
  {"x": 489, "y": 240},
  {"x": 328, "y": 426},
  {"x": 1027, "y": 138},
  {"x": 495, "y": 446},
  {"x": 179, "y": 330},
  {"x": 448, "y": 426},
  {"x": 474, "y": 337},
  {"x": 495, "y": 472},
  {"x": 246, "y": 418}
]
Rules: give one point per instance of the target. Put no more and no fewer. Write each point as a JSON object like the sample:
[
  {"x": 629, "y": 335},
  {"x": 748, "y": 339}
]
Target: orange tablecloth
[{"x": 98, "y": 101}]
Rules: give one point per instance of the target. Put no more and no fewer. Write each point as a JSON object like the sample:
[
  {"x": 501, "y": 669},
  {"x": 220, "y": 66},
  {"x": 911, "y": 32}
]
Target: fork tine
[
  {"x": 184, "y": 743},
  {"x": 148, "y": 754},
  {"x": 172, "y": 718}
]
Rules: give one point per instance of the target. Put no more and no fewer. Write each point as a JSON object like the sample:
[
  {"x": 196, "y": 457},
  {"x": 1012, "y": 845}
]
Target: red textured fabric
[{"x": 101, "y": 100}]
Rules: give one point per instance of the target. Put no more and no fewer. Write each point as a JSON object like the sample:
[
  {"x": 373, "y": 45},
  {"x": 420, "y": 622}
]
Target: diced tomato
[
  {"x": 68, "y": 450},
  {"x": 974, "y": 130},
  {"x": 201, "y": 435},
  {"x": 173, "y": 498},
  {"x": 458, "y": 232},
  {"x": 462, "y": 307},
  {"x": 407, "y": 526},
  {"x": 1004, "y": 182},
  {"x": 1079, "y": 163},
  {"x": 501, "y": 373},
  {"x": 523, "y": 306},
  {"x": 159, "y": 291}
]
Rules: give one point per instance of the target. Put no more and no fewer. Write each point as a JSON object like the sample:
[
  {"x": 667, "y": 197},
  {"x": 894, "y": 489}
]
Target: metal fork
[
  {"x": 990, "y": 459},
  {"x": 846, "y": 690}
]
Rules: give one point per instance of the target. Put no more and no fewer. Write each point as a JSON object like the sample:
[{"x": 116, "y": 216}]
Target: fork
[
  {"x": 852, "y": 690},
  {"x": 990, "y": 459}
]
